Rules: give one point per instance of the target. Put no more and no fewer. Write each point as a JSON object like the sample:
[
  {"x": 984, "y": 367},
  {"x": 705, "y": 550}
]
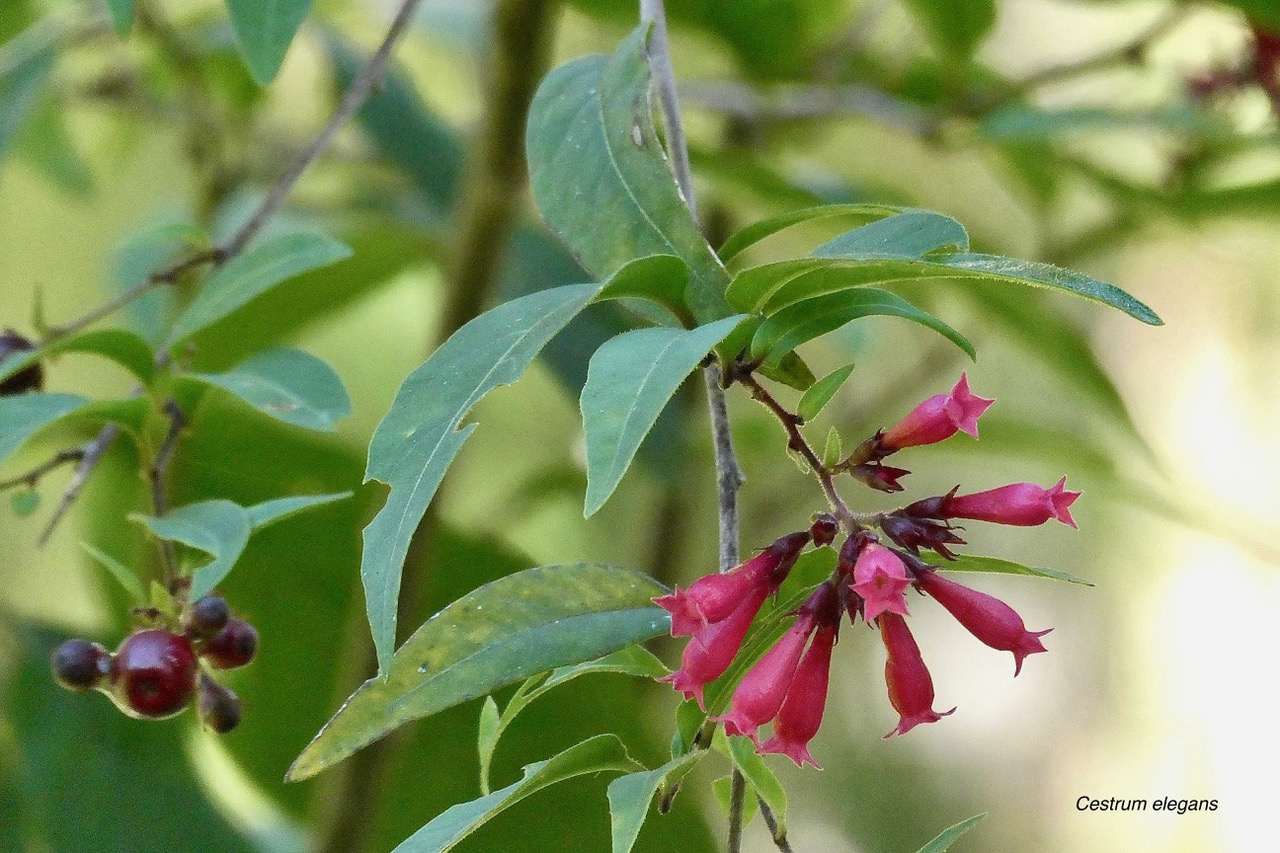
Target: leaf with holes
[
  {"x": 600, "y": 177},
  {"x": 422, "y": 432},
  {"x": 503, "y": 632}
]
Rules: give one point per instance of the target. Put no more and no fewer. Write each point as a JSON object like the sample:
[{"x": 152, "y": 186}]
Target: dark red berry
[
  {"x": 29, "y": 378},
  {"x": 154, "y": 674},
  {"x": 234, "y": 646},
  {"x": 824, "y": 530},
  {"x": 80, "y": 664},
  {"x": 220, "y": 708},
  {"x": 207, "y": 617}
]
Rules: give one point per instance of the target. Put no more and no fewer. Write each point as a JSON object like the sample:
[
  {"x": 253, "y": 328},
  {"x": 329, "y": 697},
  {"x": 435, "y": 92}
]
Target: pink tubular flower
[
  {"x": 759, "y": 696},
  {"x": 881, "y": 579},
  {"x": 910, "y": 687},
  {"x": 714, "y": 647},
  {"x": 988, "y": 618},
  {"x": 801, "y": 714},
  {"x": 937, "y": 418},
  {"x": 712, "y": 598},
  {"x": 1021, "y": 504}
]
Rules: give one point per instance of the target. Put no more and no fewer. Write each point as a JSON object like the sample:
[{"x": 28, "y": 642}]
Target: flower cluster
[{"x": 787, "y": 686}]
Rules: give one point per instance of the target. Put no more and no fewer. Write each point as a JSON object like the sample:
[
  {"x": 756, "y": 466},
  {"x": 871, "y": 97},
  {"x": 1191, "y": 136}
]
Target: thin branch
[
  {"x": 804, "y": 101},
  {"x": 356, "y": 95},
  {"x": 729, "y": 476},
  {"x": 91, "y": 452},
  {"x": 779, "y": 833},
  {"x": 797, "y": 442},
  {"x": 32, "y": 478},
  {"x": 157, "y": 473},
  {"x": 664, "y": 77},
  {"x": 737, "y": 800}
]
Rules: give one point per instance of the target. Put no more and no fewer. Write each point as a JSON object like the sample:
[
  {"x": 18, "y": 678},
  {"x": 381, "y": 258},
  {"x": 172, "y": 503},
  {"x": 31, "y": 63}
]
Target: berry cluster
[
  {"x": 155, "y": 673},
  {"x": 788, "y": 685}
]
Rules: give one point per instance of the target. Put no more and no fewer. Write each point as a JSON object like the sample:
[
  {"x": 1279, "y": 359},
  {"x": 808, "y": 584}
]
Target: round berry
[
  {"x": 80, "y": 664},
  {"x": 234, "y": 646},
  {"x": 29, "y": 378},
  {"x": 220, "y": 708},
  {"x": 207, "y": 617},
  {"x": 154, "y": 674}
]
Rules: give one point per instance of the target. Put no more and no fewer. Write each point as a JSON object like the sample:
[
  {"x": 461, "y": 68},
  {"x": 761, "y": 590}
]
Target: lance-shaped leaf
[
  {"x": 220, "y": 528},
  {"x": 600, "y": 177},
  {"x": 252, "y": 273},
  {"x": 265, "y": 29},
  {"x": 24, "y": 415},
  {"x": 943, "y": 841},
  {"x": 811, "y": 318},
  {"x": 910, "y": 235},
  {"x": 289, "y": 385},
  {"x": 125, "y": 576},
  {"x": 817, "y": 397},
  {"x": 757, "y": 231},
  {"x": 421, "y": 433},
  {"x": 760, "y": 777},
  {"x": 630, "y": 796},
  {"x": 629, "y": 382},
  {"x": 269, "y": 512},
  {"x": 996, "y": 566},
  {"x": 124, "y": 348},
  {"x": 503, "y": 632},
  {"x": 594, "y": 755}
]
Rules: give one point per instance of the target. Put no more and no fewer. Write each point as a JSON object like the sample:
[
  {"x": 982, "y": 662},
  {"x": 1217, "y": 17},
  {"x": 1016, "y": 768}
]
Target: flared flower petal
[
  {"x": 712, "y": 598},
  {"x": 908, "y": 680},
  {"x": 714, "y": 647},
  {"x": 937, "y": 418},
  {"x": 1020, "y": 504},
  {"x": 801, "y": 714},
  {"x": 986, "y": 617},
  {"x": 881, "y": 579}
]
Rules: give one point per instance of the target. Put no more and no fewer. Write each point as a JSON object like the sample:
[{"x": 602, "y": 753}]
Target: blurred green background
[{"x": 1158, "y": 680}]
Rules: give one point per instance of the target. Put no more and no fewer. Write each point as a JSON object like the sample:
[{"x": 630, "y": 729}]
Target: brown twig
[
  {"x": 796, "y": 441},
  {"x": 157, "y": 473},
  {"x": 779, "y": 833},
  {"x": 91, "y": 452},
  {"x": 32, "y": 478}
]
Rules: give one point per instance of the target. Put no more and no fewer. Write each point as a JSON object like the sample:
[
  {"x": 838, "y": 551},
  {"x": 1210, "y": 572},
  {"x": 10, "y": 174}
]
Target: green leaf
[
  {"x": 956, "y": 27},
  {"x": 760, "y": 777},
  {"x": 47, "y": 143},
  {"x": 252, "y": 273},
  {"x": 220, "y": 528},
  {"x": 24, "y": 503},
  {"x": 908, "y": 236},
  {"x": 24, "y": 415},
  {"x": 421, "y": 433},
  {"x": 22, "y": 80},
  {"x": 124, "y": 348},
  {"x": 121, "y": 15},
  {"x": 125, "y": 576},
  {"x": 600, "y": 177},
  {"x": 657, "y": 278},
  {"x": 289, "y": 385},
  {"x": 630, "y": 796},
  {"x": 771, "y": 287},
  {"x": 593, "y": 755},
  {"x": 811, "y": 318},
  {"x": 269, "y": 512},
  {"x": 817, "y": 397},
  {"x": 757, "y": 231},
  {"x": 489, "y": 730},
  {"x": 722, "y": 789},
  {"x": 948, "y": 836},
  {"x": 633, "y": 660},
  {"x": 629, "y": 382},
  {"x": 503, "y": 632},
  {"x": 791, "y": 371},
  {"x": 1047, "y": 275},
  {"x": 831, "y": 452},
  {"x": 994, "y": 565},
  {"x": 265, "y": 29}
]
